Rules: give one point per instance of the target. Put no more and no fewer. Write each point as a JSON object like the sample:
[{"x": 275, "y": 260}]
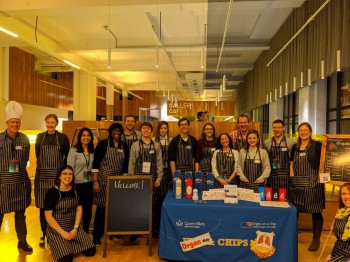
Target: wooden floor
[
  {"x": 117, "y": 250},
  {"x": 125, "y": 251}
]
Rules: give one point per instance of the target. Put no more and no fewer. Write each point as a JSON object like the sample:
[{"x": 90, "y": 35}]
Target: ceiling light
[
  {"x": 157, "y": 56},
  {"x": 224, "y": 82},
  {"x": 71, "y": 64},
  {"x": 109, "y": 58},
  {"x": 202, "y": 58},
  {"x": 8, "y": 32}
]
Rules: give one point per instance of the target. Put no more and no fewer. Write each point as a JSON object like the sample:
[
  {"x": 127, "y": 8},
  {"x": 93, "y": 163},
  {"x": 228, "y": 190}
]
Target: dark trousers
[
  {"x": 20, "y": 224},
  {"x": 99, "y": 223},
  {"x": 85, "y": 194},
  {"x": 43, "y": 223}
]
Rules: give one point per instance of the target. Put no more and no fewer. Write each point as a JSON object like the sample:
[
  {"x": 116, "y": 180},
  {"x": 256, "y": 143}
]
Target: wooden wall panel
[
  {"x": 29, "y": 87},
  {"x": 101, "y": 108}
]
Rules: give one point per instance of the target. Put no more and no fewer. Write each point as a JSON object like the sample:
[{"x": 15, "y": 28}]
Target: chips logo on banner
[
  {"x": 197, "y": 242},
  {"x": 262, "y": 245}
]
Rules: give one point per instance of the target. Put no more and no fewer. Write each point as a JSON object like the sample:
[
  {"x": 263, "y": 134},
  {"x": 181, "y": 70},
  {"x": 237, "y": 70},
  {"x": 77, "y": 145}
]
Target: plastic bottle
[
  {"x": 189, "y": 188},
  {"x": 178, "y": 188},
  {"x": 195, "y": 194}
]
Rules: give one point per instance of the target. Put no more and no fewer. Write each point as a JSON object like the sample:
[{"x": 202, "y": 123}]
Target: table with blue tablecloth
[{"x": 238, "y": 232}]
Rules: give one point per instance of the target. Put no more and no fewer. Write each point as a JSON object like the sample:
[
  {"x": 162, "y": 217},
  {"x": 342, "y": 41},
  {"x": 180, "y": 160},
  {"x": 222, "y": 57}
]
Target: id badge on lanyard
[
  {"x": 87, "y": 175},
  {"x": 276, "y": 163},
  {"x": 146, "y": 167},
  {"x": 14, "y": 166}
]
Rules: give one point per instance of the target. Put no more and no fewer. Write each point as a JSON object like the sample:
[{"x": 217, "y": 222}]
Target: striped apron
[
  {"x": 205, "y": 162},
  {"x": 225, "y": 164},
  {"x": 130, "y": 141},
  {"x": 48, "y": 164},
  {"x": 148, "y": 154},
  {"x": 164, "y": 185},
  {"x": 239, "y": 141},
  {"x": 279, "y": 160},
  {"x": 252, "y": 170},
  {"x": 15, "y": 187},
  {"x": 341, "y": 249},
  {"x": 111, "y": 165},
  {"x": 184, "y": 158},
  {"x": 307, "y": 193},
  {"x": 64, "y": 214}
]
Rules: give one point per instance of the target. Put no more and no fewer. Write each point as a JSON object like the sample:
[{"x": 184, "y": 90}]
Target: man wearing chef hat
[{"x": 15, "y": 186}]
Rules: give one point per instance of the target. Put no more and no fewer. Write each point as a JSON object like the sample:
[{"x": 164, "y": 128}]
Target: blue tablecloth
[{"x": 231, "y": 227}]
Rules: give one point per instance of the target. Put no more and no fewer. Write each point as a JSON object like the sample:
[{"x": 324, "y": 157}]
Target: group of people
[
  {"x": 203, "y": 116},
  {"x": 69, "y": 181}
]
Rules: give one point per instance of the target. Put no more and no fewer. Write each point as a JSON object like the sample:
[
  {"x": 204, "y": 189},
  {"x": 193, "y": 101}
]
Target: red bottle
[{"x": 189, "y": 188}]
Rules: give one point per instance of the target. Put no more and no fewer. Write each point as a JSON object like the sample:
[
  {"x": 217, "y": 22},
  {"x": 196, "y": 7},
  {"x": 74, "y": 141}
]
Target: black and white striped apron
[
  {"x": 64, "y": 214},
  {"x": 148, "y": 154},
  {"x": 240, "y": 141},
  {"x": 306, "y": 192},
  {"x": 252, "y": 170},
  {"x": 15, "y": 187},
  {"x": 111, "y": 165},
  {"x": 225, "y": 164},
  {"x": 184, "y": 158},
  {"x": 130, "y": 141},
  {"x": 164, "y": 185},
  {"x": 205, "y": 162},
  {"x": 48, "y": 164},
  {"x": 341, "y": 249},
  {"x": 279, "y": 160}
]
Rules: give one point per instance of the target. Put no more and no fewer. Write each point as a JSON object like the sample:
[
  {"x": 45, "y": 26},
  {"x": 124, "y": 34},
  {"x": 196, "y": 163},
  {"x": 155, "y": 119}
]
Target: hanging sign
[{"x": 182, "y": 108}]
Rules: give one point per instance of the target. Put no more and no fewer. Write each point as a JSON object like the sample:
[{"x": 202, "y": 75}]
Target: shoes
[
  {"x": 24, "y": 246},
  {"x": 97, "y": 242},
  {"x": 42, "y": 242},
  {"x": 118, "y": 237},
  {"x": 134, "y": 237}
]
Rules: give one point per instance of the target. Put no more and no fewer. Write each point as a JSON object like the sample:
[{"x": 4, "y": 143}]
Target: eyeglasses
[
  {"x": 183, "y": 124},
  {"x": 208, "y": 129},
  {"x": 67, "y": 174}
]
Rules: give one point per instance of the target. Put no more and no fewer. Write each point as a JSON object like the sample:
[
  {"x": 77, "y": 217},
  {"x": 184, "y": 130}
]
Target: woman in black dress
[
  {"x": 306, "y": 192},
  {"x": 63, "y": 212}
]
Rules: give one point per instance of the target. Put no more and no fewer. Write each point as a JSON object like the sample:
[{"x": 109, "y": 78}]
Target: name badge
[
  {"x": 14, "y": 166},
  {"x": 188, "y": 147},
  {"x": 302, "y": 154},
  {"x": 120, "y": 150},
  {"x": 151, "y": 151},
  {"x": 284, "y": 149},
  {"x": 146, "y": 167},
  {"x": 257, "y": 161},
  {"x": 212, "y": 149},
  {"x": 87, "y": 175},
  {"x": 229, "y": 155},
  {"x": 18, "y": 147}
]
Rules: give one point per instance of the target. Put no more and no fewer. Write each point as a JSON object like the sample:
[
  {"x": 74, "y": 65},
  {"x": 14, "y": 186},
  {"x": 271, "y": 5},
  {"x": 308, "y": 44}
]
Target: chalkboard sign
[
  {"x": 335, "y": 157},
  {"x": 128, "y": 206}
]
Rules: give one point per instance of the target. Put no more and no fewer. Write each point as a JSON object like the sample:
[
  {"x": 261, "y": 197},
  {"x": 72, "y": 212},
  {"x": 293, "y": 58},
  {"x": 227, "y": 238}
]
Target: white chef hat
[{"x": 13, "y": 110}]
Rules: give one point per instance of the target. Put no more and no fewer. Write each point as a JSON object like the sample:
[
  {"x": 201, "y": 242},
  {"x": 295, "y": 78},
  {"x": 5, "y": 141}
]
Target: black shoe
[
  {"x": 134, "y": 237},
  {"x": 97, "y": 242},
  {"x": 24, "y": 246},
  {"x": 42, "y": 242}
]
